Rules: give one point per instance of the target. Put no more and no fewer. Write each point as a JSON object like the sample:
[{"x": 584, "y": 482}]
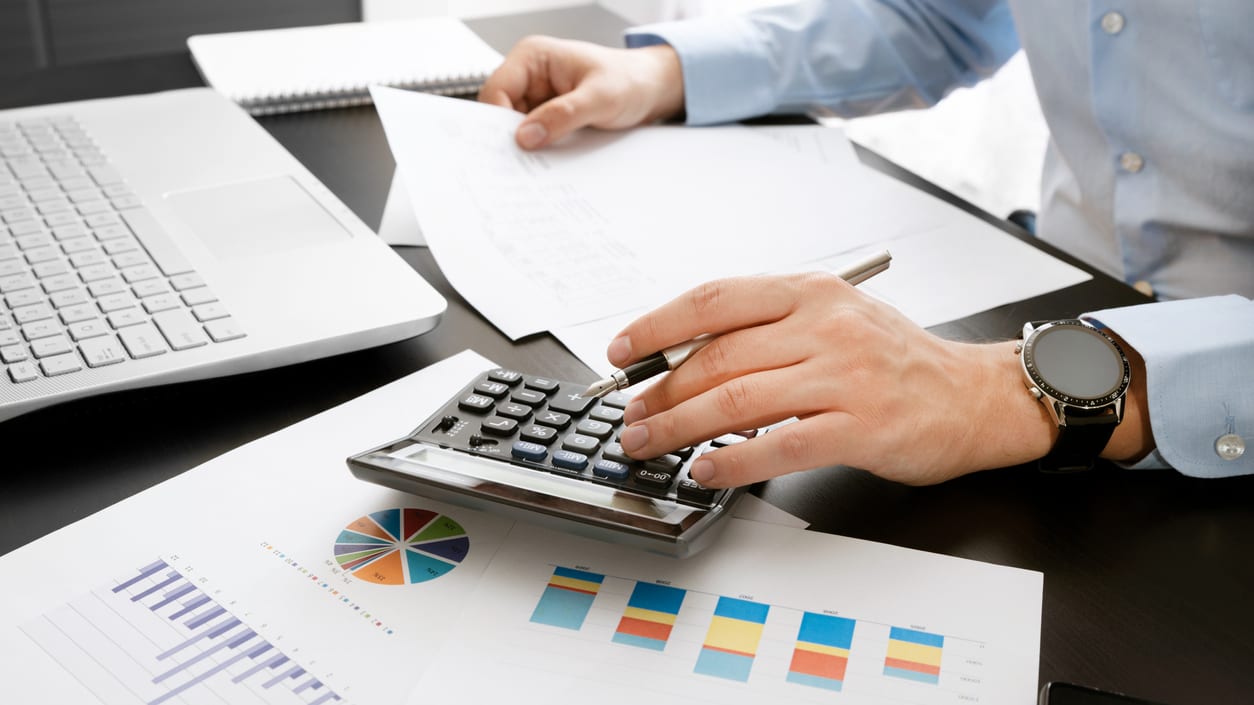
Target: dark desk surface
[{"x": 1148, "y": 576}]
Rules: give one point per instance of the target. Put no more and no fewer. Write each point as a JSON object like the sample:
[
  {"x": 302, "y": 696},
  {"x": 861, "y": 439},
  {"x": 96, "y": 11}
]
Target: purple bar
[
  {"x": 200, "y": 657},
  {"x": 172, "y": 596},
  {"x": 143, "y": 573},
  {"x": 192, "y": 640},
  {"x": 190, "y": 606},
  {"x": 213, "y": 671},
  {"x": 325, "y": 698},
  {"x": 171, "y": 578},
  {"x": 224, "y": 628},
  {"x": 311, "y": 683},
  {"x": 279, "y": 662},
  {"x": 197, "y": 621},
  {"x": 292, "y": 672},
  {"x": 264, "y": 664}
]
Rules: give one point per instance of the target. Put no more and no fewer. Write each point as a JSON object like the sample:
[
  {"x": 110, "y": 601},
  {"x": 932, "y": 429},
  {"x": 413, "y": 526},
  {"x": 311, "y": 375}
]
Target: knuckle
[
  {"x": 736, "y": 399},
  {"x": 706, "y": 298},
  {"x": 795, "y": 447},
  {"x": 715, "y": 358}
]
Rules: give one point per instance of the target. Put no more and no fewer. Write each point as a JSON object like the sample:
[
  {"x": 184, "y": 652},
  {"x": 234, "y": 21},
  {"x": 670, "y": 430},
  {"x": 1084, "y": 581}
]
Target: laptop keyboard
[{"x": 87, "y": 277}]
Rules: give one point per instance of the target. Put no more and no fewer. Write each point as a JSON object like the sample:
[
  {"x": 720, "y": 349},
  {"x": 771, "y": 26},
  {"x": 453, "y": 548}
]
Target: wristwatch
[{"x": 1081, "y": 375}]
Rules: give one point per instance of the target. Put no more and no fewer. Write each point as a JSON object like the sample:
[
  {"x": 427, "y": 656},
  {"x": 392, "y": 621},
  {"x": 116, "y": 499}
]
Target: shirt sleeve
[
  {"x": 853, "y": 57},
  {"x": 1199, "y": 374}
]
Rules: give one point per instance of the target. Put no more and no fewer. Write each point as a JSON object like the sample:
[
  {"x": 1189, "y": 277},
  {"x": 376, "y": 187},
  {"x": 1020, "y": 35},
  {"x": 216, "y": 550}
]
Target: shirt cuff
[
  {"x": 727, "y": 71},
  {"x": 1198, "y": 355}
]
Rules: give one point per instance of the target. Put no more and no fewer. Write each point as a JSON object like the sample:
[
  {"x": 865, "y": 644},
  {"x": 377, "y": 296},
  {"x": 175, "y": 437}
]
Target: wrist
[
  {"x": 1020, "y": 427},
  {"x": 1133, "y": 438},
  {"x": 666, "y": 79}
]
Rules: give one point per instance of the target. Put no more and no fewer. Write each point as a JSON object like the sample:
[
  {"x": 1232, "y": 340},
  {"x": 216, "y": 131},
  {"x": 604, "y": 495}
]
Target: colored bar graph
[
  {"x": 650, "y": 616},
  {"x": 732, "y": 641},
  {"x": 822, "y": 651},
  {"x": 567, "y": 599},
  {"x": 914, "y": 655}
]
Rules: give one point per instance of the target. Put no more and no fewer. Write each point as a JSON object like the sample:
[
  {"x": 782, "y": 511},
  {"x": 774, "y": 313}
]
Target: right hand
[{"x": 564, "y": 84}]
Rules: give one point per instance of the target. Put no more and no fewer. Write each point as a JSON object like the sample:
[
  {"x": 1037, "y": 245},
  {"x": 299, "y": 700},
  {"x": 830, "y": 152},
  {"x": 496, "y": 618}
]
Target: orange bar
[
  {"x": 564, "y": 587},
  {"x": 912, "y": 666},
  {"x": 727, "y": 651},
  {"x": 816, "y": 664},
  {"x": 644, "y": 628}
]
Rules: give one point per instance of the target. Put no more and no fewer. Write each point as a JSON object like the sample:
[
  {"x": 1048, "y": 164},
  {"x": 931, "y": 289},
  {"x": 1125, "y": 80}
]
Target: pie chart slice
[{"x": 373, "y": 548}]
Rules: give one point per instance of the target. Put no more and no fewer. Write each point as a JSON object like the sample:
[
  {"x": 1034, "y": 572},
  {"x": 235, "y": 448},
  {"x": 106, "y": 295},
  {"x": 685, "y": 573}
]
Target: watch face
[{"x": 1076, "y": 363}]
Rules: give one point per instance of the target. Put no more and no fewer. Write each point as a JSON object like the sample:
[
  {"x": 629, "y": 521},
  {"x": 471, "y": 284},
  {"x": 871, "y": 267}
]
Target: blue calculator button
[
  {"x": 610, "y": 470},
  {"x": 570, "y": 460},
  {"x": 529, "y": 451}
]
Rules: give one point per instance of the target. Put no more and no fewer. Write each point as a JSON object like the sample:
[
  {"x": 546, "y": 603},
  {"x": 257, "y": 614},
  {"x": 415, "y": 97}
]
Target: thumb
[{"x": 560, "y": 116}]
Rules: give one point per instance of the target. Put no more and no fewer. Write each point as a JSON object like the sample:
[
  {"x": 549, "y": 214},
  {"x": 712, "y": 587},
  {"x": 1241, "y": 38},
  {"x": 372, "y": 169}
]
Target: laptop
[{"x": 167, "y": 237}]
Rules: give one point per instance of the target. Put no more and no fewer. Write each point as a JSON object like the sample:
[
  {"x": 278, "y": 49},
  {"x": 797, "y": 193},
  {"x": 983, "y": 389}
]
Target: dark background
[{"x": 1148, "y": 574}]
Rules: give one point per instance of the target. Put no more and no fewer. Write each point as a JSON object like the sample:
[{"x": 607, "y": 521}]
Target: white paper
[
  {"x": 398, "y": 226},
  {"x": 527, "y": 642},
  {"x": 754, "y": 508}
]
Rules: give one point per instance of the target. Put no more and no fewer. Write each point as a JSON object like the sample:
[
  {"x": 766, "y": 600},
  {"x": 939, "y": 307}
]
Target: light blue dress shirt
[{"x": 1148, "y": 176}]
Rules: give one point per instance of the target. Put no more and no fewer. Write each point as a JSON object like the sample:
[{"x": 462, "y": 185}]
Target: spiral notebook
[{"x": 331, "y": 66}]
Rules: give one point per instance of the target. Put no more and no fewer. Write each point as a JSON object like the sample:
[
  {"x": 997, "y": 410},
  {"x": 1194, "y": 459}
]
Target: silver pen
[{"x": 675, "y": 355}]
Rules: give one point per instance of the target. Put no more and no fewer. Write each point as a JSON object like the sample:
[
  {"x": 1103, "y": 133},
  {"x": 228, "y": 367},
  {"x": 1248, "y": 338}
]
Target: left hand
[{"x": 870, "y": 388}]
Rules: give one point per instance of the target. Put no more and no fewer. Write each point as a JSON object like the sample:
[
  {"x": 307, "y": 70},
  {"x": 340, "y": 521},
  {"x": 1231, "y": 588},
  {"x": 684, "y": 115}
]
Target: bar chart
[
  {"x": 650, "y": 616},
  {"x": 732, "y": 641},
  {"x": 822, "y": 652},
  {"x": 567, "y": 598},
  {"x": 155, "y": 637},
  {"x": 914, "y": 655}
]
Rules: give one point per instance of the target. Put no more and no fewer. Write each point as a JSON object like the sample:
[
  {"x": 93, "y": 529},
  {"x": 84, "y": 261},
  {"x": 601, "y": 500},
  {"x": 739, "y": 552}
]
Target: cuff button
[{"x": 1230, "y": 446}]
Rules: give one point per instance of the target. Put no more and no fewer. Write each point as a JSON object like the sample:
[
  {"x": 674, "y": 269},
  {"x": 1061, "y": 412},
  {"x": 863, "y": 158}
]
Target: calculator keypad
[{"x": 549, "y": 426}]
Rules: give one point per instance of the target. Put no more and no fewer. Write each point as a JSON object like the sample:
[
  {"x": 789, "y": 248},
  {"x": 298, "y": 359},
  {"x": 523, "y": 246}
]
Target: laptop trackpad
[{"x": 256, "y": 217}]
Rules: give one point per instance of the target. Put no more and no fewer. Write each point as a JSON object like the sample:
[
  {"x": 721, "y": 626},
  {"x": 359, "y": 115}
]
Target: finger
[
  {"x": 716, "y": 307},
  {"x": 563, "y": 114},
  {"x": 508, "y": 84},
  {"x": 751, "y": 401},
  {"x": 726, "y": 357},
  {"x": 810, "y": 443}
]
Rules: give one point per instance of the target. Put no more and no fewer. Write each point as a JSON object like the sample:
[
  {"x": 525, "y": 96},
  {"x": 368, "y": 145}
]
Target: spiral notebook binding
[{"x": 347, "y": 96}]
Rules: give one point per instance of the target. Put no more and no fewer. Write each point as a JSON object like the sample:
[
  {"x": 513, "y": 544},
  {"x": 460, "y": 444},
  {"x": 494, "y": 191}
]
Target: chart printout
[{"x": 766, "y": 615}]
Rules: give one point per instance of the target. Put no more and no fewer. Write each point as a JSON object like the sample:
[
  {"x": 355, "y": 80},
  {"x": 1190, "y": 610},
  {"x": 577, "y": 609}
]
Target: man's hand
[
  {"x": 870, "y": 388},
  {"x": 563, "y": 85}
]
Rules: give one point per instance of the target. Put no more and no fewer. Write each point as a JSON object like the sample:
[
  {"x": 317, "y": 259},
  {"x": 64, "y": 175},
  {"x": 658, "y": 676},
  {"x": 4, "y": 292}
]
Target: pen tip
[{"x": 600, "y": 388}]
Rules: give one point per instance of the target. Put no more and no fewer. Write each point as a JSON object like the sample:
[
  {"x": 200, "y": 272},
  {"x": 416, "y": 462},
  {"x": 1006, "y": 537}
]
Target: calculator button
[
  {"x": 618, "y": 400},
  {"x": 556, "y": 419},
  {"x": 528, "y": 396},
  {"x": 475, "y": 403},
  {"x": 539, "y": 384},
  {"x": 668, "y": 464},
  {"x": 652, "y": 478},
  {"x": 611, "y": 470},
  {"x": 496, "y": 390},
  {"x": 498, "y": 426},
  {"x": 578, "y": 443},
  {"x": 608, "y": 414},
  {"x": 614, "y": 451},
  {"x": 539, "y": 434},
  {"x": 684, "y": 453},
  {"x": 728, "y": 439},
  {"x": 507, "y": 377},
  {"x": 694, "y": 491},
  {"x": 529, "y": 451},
  {"x": 570, "y": 460},
  {"x": 571, "y": 403},
  {"x": 600, "y": 429},
  {"x": 514, "y": 411}
]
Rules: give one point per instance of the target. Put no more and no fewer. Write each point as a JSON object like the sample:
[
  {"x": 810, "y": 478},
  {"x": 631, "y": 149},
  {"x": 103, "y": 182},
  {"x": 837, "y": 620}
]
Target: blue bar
[
  {"x": 198, "y": 679},
  {"x": 306, "y": 685},
  {"x": 195, "y": 622},
  {"x": 744, "y": 610},
  {"x": 659, "y": 598},
  {"x": 643, "y": 642},
  {"x": 226, "y": 626},
  {"x": 325, "y": 699},
  {"x": 579, "y": 575},
  {"x": 911, "y": 675},
  {"x": 190, "y": 606},
  {"x": 916, "y": 637},
  {"x": 270, "y": 663},
  {"x": 201, "y": 657},
  {"x": 562, "y": 608},
  {"x": 172, "y": 596},
  {"x": 826, "y": 629},
  {"x": 294, "y": 671},
  {"x": 171, "y": 578},
  {"x": 814, "y": 681},
  {"x": 192, "y": 640},
  {"x": 721, "y": 664},
  {"x": 143, "y": 573}
]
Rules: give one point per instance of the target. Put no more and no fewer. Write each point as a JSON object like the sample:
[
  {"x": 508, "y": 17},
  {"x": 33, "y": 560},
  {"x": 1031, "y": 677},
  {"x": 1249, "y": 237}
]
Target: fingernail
[
  {"x": 531, "y": 135},
  {"x": 702, "y": 470},
  {"x": 634, "y": 438},
  {"x": 634, "y": 412},
  {"x": 619, "y": 351}
]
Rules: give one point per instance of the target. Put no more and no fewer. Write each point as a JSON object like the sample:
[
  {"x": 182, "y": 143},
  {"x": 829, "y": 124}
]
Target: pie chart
[{"x": 401, "y": 546}]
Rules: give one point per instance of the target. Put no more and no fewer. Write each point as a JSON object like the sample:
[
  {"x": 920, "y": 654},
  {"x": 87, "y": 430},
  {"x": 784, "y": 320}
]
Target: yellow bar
[
  {"x": 919, "y": 653},
  {"x": 575, "y": 583},
  {"x": 734, "y": 635},
  {"x": 823, "y": 649},
  {"x": 649, "y": 615}
]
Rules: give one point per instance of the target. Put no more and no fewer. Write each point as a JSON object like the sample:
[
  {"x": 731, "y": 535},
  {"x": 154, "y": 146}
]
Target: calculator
[{"x": 536, "y": 449}]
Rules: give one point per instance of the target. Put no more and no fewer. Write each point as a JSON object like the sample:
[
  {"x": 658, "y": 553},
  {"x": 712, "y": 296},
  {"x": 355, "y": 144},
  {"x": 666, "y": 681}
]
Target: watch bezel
[{"x": 1027, "y": 360}]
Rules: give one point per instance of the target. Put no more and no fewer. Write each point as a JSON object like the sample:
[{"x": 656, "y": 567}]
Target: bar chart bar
[
  {"x": 732, "y": 641},
  {"x": 914, "y": 655},
  {"x": 567, "y": 598},
  {"x": 650, "y": 616},
  {"x": 822, "y": 651}
]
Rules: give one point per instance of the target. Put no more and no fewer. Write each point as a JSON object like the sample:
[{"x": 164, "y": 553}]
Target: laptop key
[
  {"x": 142, "y": 341},
  {"x": 23, "y": 372},
  {"x": 102, "y": 351},
  {"x": 224, "y": 329},
  {"x": 180, "y": 330},
  {"x": 60, "y": 364}
]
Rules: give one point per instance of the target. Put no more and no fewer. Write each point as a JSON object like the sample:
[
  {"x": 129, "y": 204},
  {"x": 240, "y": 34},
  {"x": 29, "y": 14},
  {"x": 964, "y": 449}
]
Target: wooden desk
[{"x": 1148, "y": 576}]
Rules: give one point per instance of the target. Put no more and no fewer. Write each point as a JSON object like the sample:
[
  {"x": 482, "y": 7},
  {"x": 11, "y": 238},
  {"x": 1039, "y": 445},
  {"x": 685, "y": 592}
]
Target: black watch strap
[{"x": 1081, "y": 440}]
